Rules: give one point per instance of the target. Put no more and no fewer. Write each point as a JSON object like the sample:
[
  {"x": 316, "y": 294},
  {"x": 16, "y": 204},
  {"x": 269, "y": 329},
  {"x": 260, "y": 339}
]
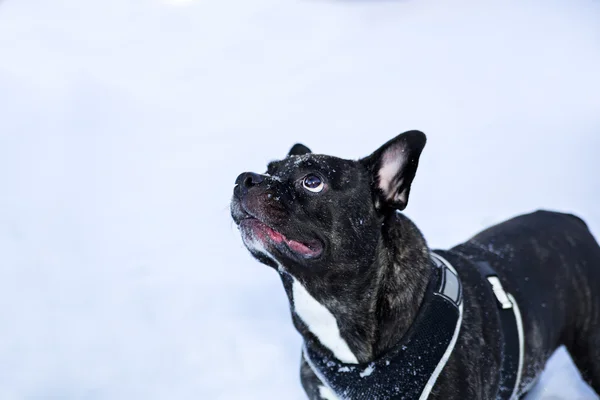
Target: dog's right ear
[
  {"x": 393, "y": 167},
  {"x": 299, "y": 149}
]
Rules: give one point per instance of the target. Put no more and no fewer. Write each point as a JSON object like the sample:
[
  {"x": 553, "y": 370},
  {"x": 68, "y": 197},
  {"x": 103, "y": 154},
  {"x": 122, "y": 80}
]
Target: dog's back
[{"x": 550, "y": 262}]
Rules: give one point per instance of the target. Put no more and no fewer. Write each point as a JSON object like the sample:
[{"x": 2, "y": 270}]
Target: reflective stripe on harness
[{"x": 512, "y": 329}]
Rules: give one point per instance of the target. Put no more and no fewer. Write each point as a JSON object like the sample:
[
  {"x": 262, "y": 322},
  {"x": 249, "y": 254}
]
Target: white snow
[
  {"x": 367, "y": 371},
  {"x": 125, "y": 123}
]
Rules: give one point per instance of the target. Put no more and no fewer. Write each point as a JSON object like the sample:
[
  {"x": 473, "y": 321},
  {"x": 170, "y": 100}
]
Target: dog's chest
[{"x": 320, "y": 322}]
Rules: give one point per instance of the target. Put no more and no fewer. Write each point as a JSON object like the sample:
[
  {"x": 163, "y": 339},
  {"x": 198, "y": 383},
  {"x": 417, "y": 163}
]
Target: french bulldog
[{"x": 361, "y": 279}]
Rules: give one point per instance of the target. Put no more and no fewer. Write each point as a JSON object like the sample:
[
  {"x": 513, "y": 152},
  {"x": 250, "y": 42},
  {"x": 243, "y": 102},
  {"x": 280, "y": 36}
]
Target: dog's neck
[{"x": 360, "y": 317}]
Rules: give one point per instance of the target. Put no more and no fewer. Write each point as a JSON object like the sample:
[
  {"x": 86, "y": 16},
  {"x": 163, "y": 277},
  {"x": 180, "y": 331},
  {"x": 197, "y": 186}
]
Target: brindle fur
[{"x": 375, "y": 267}]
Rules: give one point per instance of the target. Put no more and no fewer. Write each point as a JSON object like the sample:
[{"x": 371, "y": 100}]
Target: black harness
[{"x": 410, "y": 370}]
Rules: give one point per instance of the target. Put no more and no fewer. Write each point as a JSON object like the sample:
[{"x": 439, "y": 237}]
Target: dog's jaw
[{"x": 258, "y": 250}]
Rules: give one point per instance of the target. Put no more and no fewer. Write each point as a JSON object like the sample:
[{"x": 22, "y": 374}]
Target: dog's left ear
[
  {"x": 299, "y": 149},
  {"x": 393, "y": 167}
]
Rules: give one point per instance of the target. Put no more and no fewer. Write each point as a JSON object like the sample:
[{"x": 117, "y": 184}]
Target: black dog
[{"x": 384, "y": 317}]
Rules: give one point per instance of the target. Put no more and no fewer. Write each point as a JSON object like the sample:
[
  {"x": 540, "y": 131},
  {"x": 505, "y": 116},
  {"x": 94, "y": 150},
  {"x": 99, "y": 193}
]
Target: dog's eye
[{"x": 312, "y": 183}]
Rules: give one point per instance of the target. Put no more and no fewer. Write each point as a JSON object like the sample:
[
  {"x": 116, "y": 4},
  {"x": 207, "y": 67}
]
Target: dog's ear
[
  {"x": 393, "y": 167},
  {"x": 299, "y": 149}
]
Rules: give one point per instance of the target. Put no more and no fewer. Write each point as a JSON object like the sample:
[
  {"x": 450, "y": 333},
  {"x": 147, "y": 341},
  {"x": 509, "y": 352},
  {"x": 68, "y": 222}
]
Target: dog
[{"x": 383, "y": 316}]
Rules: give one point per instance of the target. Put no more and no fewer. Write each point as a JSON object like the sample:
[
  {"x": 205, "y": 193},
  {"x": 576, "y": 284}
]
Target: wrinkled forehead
[{"x": 329, "y": 166}]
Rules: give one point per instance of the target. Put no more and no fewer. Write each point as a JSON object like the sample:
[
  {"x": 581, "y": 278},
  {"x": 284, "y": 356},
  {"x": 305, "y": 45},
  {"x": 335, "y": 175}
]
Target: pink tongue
[
  {"x": 296, "y": 247},
  {"x": 275, "y": 236},
  {"x": 300, "y": 248}
]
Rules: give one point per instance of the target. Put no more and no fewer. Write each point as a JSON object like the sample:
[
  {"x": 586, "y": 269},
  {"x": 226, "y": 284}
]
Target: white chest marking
[{"x": 321, "y": 322}]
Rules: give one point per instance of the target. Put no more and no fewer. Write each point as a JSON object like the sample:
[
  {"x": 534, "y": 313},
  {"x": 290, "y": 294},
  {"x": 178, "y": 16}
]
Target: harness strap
[
  {"x": 411, "y": 368},
  {"x": 512, "y": 328}
]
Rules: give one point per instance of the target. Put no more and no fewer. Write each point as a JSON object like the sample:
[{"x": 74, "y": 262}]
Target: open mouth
[{"x": 266, "y": 234}]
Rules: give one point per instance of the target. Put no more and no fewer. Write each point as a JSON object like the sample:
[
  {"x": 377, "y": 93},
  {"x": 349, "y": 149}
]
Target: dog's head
[{"x": 318, "y": 214}]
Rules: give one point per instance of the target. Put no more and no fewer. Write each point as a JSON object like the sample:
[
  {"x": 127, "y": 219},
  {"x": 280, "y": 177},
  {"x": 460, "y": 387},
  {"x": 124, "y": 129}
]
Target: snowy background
[{"x": 123, "y": 124}]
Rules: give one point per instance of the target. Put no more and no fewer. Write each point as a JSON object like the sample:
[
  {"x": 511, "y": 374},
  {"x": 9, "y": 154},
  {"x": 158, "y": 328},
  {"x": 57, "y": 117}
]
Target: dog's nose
[{"x": 246, "y": 180}]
